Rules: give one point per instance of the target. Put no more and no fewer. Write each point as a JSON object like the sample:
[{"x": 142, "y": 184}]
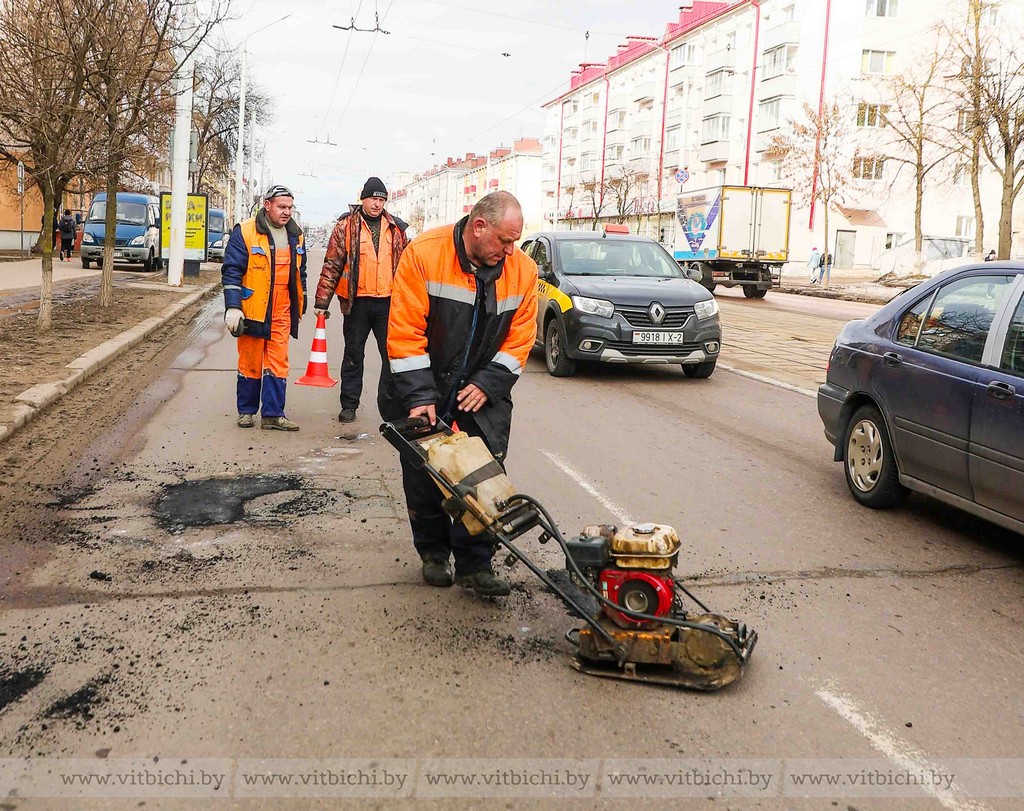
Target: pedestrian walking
[
  {"x": 463, "y": 320},
  {"x": 264, "y": 278},
  {"x": 991, "y": 257},
  {"x": 66, "y": 225},
  {"x": 812, "y": 263},
  {"x": 362, "y": 256},
  {"x": 824, "y": 267}
]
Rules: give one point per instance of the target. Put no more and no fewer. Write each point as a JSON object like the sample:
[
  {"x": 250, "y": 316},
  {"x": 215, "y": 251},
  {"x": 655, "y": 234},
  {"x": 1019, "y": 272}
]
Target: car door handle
[
  {"x": 892, "y": 359},
  {"x": 1000, "y": 390}
]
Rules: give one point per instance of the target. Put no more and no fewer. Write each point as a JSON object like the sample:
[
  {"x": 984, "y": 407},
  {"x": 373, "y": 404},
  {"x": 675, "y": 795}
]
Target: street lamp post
[{"x": 240, "y": 149}]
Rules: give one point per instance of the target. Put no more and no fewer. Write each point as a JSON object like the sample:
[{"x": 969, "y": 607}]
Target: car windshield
[
  {"x": 616, "y": 257},
  {"x": 130, "y": 213},
  {"x": 216, "y": 224}
]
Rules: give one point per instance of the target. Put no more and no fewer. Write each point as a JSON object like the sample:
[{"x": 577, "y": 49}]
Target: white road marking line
[
  {"x": 893, "y": 747},
  {"x": 769, "y": 380},
  {"x": 578, "y": 477}
]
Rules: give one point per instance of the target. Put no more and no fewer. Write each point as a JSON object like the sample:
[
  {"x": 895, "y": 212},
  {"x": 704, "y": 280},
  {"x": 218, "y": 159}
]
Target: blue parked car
[
  {"x": 217, "y": 234},
  {"x": 137, "y": 235},
  {"x": 928, "y": 395}
]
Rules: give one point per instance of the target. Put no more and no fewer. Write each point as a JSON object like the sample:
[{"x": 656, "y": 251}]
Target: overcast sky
[{"x": 437, "y": 85}]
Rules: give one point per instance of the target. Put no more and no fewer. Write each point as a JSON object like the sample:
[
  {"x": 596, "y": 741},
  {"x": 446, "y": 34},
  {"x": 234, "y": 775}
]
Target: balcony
[
  {"x": 718, "y": 105},
  {"x": 646, "y": 91},
  {"x": 787, "y": 33},
  {"x": 714, "y": 152},
  {"x": 725, "y": 58},
  {"x": 785, "y": 84}
]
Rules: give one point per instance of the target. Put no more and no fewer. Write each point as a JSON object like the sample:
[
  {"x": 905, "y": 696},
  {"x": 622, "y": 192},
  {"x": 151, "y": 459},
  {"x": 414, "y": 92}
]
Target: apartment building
[
  {"x": 700, "y": 105},
  {"x": 446, "y": 193}
]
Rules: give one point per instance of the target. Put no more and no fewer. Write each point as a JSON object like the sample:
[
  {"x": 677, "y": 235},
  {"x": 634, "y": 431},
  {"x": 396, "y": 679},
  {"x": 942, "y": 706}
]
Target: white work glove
[
  {"x": 233, "y": 321},
  {"x": 317, "y": 311}
]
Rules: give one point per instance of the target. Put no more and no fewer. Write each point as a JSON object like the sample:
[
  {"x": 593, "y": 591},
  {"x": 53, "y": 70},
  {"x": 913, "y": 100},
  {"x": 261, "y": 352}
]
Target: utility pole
[
  {"x": 179, "y": 159},
  {"x": 21, "y": 194}
]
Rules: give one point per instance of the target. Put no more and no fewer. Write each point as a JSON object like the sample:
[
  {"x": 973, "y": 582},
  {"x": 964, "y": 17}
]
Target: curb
[
  {"x": 32, "y": 402},
  {"x": 842, "y": 296}
]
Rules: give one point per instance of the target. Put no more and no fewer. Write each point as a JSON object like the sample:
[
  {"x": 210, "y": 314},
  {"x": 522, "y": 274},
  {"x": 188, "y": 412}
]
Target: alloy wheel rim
[
  {"x": 864, "y": 456},
  {"x": 553, "y": 347}
]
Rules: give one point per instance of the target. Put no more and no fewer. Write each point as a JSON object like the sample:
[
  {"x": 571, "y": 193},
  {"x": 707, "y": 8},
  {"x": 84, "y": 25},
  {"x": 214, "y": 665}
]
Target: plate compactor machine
[{"x": 621, "y": 581}]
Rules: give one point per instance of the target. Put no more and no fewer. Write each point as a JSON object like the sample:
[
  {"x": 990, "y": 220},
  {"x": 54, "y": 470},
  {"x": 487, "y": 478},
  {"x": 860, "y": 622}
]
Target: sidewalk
[
  {"x": 28, "y": 273},
  {"x": 849, "y": 285}
]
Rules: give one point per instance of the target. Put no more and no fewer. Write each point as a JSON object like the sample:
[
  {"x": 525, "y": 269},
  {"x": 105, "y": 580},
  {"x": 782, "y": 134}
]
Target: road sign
[
  {"x": 21, "y": 170},
  {"x": 682, "y": 175}
]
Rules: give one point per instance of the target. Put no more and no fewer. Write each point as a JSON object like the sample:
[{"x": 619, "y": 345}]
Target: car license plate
[
  {"x": 118, "y": 254},
  {"x": 657, "y": 337}
]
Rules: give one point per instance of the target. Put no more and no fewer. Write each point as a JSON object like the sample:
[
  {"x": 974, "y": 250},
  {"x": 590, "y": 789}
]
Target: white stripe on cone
[{"x": 318, "y": 357}]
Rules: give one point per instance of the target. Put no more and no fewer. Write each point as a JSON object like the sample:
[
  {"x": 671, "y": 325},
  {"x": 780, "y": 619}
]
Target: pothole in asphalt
[
  {"x": 15, "y": 684},
  {"x": 205, "y": 502}
]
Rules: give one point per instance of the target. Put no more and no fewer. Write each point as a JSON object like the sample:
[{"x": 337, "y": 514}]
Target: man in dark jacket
[
  {"x": 463, "y": 321},
  {"x": 66, "y": 226},
  {"x": 359, "y": 267}
]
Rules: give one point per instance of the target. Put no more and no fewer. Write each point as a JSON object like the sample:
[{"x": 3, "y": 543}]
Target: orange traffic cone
[{"x": 316, "y": 370}]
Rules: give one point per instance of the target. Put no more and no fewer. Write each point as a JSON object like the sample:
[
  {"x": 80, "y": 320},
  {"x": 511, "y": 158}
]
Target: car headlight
[
  {"x": 594, "y": 306},
  {"x": 87, "y": 238},
  {"x": 139, "y": 240},
  {"x": 706, "y": 309},
  {"x": 218, "y": 244}
]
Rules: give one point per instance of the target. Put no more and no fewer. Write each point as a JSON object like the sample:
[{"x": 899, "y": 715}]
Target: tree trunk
[
  {"x": 1006, "y": 210},
  {"x": 110, "y": 231},
  {"x": 45, "y": 321},
  {"x": 979, "y": 212},
  {"x": 918, "y": 200},
  {"x": 826, "y": 270}
]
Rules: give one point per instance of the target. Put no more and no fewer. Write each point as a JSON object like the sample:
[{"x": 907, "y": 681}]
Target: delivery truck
[{"x": 735, "y": 236}]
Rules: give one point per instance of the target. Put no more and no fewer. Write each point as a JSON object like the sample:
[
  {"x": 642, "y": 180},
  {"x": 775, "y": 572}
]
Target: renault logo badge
[{"x": 657, "y": 313}]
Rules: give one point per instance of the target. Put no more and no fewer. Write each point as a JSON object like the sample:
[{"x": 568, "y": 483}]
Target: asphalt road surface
[{"x": 244, "y": 608}]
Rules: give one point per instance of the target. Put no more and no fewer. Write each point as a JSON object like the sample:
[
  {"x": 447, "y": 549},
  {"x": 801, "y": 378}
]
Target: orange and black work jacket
[
  {"x": 452, "y": 324},
  {"x": 340, "y": 273},
  {"x": 248, "y": 274}
]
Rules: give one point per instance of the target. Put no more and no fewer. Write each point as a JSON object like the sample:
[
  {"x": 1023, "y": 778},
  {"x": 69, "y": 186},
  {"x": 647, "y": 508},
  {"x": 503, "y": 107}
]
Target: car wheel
[
  {"x": 699, "y": 370},
  {"x": 753, "y": 292},
  {"x": 870, "y": 464},
  {"x": 559, "y": 364},
  {"x": 86, "y": 263},
  {"x": 148, "y": 265}
]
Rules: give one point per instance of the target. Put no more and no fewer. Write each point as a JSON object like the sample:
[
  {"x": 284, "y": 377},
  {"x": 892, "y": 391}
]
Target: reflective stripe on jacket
[
  {"x": 433, "y": 303},
  {"x": 248, "y": 274}
]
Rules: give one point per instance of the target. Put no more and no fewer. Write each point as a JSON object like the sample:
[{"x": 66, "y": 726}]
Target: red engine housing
[{"x": 638, "y": 590}]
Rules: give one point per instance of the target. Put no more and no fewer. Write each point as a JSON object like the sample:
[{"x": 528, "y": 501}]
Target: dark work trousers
[
  {"x": 433, "y": 533},
  {"x": 368, "y": 315}
]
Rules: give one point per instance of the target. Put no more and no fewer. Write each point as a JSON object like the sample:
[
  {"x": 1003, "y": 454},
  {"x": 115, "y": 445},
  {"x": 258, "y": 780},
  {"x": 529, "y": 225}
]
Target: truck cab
[
  {"x": 217, "y": 234},
  {"x": 137, "y": 234}
]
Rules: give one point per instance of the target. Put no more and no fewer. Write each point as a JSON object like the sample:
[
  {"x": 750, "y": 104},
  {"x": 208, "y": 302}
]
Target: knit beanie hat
[{"x": 374, "y": 187}]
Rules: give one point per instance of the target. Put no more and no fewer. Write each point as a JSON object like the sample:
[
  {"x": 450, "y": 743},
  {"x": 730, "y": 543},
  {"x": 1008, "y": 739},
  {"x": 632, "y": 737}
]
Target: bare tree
[
  {"x": 44, "y": 118},
  {"x": 625, "y": 184},
  {"x": 132, "y": 68},
  {"x": 594, "y": 194},
  {"x": 988, "y": 80},
  {"x": 215, "y": 113},
  {"x": 917, "y": 104},
  {"x": 817, "y": 158}
]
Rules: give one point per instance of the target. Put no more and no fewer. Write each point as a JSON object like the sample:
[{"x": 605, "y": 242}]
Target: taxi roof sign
[{"x": 616, "y": 229}]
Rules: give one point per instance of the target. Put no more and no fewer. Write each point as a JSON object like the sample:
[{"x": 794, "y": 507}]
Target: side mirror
[{"x": 544, "y": 271}]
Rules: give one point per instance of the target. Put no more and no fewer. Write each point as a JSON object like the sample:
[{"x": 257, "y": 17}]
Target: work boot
[
  {"x": 246, "y": 420},
  {"x": 347, "y": 415},
  {"x": 485, "y": 583},
  {"x": 278, "y": 424},
  {"x": 437, "y": 572}
]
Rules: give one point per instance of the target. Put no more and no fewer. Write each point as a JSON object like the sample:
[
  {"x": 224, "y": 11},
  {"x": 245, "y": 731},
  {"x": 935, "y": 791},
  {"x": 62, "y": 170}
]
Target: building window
[
  {"x": 778, "y": 61},
  {"x": 776, "y": 171},
  {"x": 616, "y": 120},
  {"x": 892, "y": 240},
  {"x": 672, "y": 138},
  {"x": 613, "y": 153},
  {"x": 716, "y": 128},
  {"x": 990, "y": 13},
  {"x": 788, "y": 13},
  {"x": 684, "y": 54},
  {"x": 640, "y": 147},
  {"x": 876, "y": 61},
  {"x": 871, "y": 115},
  {"x": 963, "y": 121},
  {"x": 768, "y": 114},
  {"x": 570, "y": 135},
  {"x": 589, "y": 128},
  {"x": 586, "y": 162},
  {"x": 881, "y": 8},
  {"x": 962, "y": 175},
  {"x": 730, "y": 41},
  {"x": 965, "y": 226},
  {"x": 715, "y": 84},
  {"x": 868, "y": 168},
  {"x": 570, "y": 107}
]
